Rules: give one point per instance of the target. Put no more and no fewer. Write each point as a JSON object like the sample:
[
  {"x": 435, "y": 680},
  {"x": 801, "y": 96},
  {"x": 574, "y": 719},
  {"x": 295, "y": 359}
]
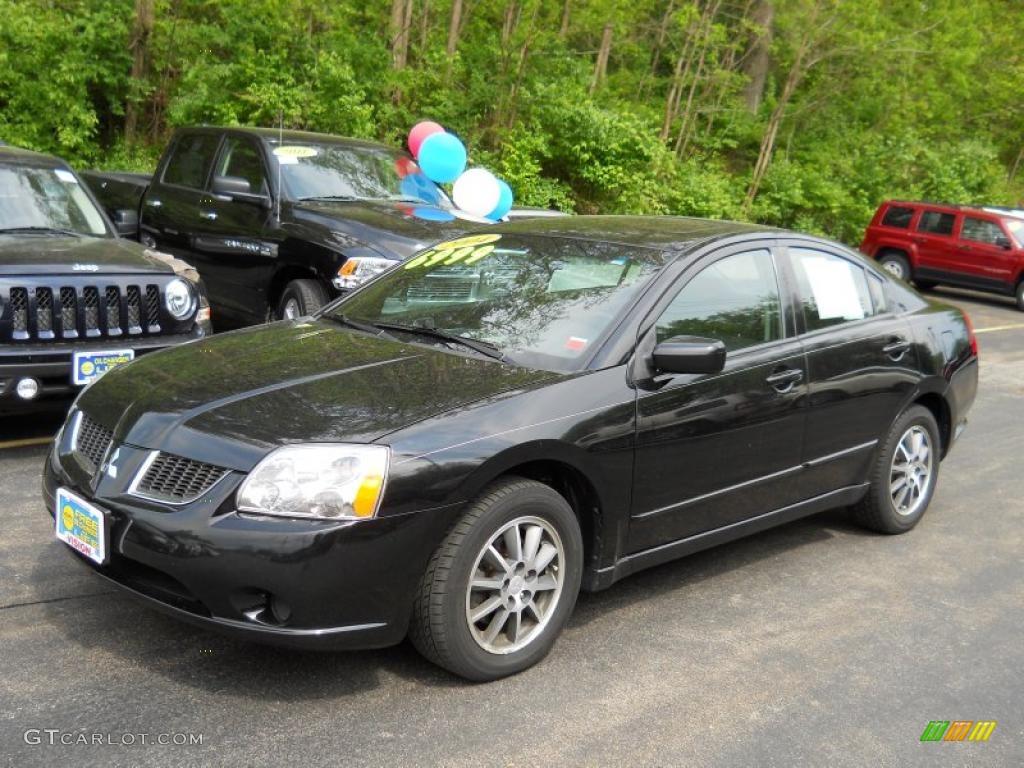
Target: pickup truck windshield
[
  {"x": 342, "y": 172},
  {"x": 46, "y": 200},
  {"x": 541, "y": 302}
]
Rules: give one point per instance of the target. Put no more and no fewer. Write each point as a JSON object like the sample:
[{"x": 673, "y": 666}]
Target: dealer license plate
[
  {"x": 81, "y": 526},
  {"x": 87, "y": 366}
]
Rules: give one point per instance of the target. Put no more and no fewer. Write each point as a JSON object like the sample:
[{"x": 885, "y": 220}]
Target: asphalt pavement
[{"x": 816, "y": 643}]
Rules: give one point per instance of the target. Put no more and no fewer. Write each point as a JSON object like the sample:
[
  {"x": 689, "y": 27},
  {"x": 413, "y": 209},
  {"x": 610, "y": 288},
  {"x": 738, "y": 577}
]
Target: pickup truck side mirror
[
  {"x": 689, "y": 354},
  {"x": 237, "y": 188},
  {"x": 126, "y": 222}
]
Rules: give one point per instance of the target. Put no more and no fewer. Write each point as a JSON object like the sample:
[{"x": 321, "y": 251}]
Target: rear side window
[
  {"x": 832, "y": 290},
  {"x": 191, "y": 160},
  {"x": 982, "y": 231},
  {"x": 898, "y": 216},
  {"x": 936, "y": 223}
]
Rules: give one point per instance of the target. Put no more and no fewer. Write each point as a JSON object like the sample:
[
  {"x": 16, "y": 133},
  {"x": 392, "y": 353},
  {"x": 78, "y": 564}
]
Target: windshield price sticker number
[{"x": 465, "y": 250}]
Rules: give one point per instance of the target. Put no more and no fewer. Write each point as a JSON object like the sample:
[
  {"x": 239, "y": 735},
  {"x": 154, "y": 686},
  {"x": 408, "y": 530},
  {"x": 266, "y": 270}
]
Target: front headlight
[
  {"x": 358, "y": 269},
  {"x": 179, "y": 298},
  {"x": 327, "y": 481}
]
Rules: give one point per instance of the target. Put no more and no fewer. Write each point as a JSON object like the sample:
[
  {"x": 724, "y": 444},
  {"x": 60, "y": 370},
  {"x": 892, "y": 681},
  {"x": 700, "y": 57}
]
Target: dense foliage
[{"x": 801, "y": 113}]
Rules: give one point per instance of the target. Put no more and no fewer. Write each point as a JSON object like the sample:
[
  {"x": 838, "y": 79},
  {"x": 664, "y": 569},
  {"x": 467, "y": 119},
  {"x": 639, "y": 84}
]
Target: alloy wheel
[
  {"x": 515, "y": 585},
  {"x": 911, "y": 474},
  {"x": 292, "y": 309},
  {"x": 894, "y": 268}
]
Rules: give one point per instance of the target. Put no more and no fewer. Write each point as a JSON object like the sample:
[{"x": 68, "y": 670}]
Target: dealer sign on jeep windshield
[{"x": 457, "y": 448}]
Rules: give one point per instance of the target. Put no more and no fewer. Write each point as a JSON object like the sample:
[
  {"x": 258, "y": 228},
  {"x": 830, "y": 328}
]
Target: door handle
[
  {"x": 782, "y": 381},
  {"x": 896, "y": 348},
  {"x": 919, "y": 239},
  {"x": 208, "y": 215}
]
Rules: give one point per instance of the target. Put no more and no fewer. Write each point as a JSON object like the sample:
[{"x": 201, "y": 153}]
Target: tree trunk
[
  {"x": 601, "y": 67},
  {"x": 395, "y": 31},
  {"x": 659, "y": 42},
  {"x": 142, "y": 28},
  {"x": 759, "y": 61},
  {"x": 563, "y": 30},
  {"x": 424, "y": 26},
  {"x": 454, "y": 27}
]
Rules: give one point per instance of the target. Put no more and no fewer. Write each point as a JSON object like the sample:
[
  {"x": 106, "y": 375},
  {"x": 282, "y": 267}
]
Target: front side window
[
  {"x": 898, "y": 216},
  {"x": 936, "y": 223},
  {"x": 833, "y": 290},
  {"x": 982, "y": 231},
  {"x": 543, "y": 302},
  {"x": 240, "y": 159},
  {"x": 734, "y": 300},
  {"x": 46, "y": 198},
  {"x": 190, "y": 163}
]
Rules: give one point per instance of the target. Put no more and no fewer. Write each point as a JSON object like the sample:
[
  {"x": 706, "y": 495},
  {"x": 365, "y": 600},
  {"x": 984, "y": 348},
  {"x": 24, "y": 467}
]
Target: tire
[
  {"x": 878, "y": 509},
  {"x": 895, "y": 264},
  {"x": 442, "y": 629},
  {"x": 924, "y": 285},
  {"x": 301, "y": 296},
  {"x": 1020, "y": 295}
]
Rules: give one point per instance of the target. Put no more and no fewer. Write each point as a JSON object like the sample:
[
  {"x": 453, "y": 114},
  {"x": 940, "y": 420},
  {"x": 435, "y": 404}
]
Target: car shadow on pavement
[{"x": 112, "y": 624}]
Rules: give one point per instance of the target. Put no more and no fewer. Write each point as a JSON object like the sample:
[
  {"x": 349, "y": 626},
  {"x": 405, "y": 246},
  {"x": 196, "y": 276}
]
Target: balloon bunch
[{"x": 442, "y": 158}]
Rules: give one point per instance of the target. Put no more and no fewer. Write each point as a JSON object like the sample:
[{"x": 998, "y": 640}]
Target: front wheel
[
  {"x": 904, "y": 475},
  {"x": 501, "y": 586},
  {"x": 301, "y": 298}
]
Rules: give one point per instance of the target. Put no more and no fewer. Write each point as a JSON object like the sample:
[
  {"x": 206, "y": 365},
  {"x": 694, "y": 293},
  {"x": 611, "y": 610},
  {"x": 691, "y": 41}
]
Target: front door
[
  {"x": 719, "y": 448},
  {"x": 984, "y": 254}
]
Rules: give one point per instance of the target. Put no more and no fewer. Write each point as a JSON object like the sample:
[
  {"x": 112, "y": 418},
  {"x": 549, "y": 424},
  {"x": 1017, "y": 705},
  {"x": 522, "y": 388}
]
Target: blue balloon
[
  {"x": 504, "y": 202},
  {"x": 432, "y": 214},
  {"x": 442, "y": 157},
  {"x": 419, "y": 187}
]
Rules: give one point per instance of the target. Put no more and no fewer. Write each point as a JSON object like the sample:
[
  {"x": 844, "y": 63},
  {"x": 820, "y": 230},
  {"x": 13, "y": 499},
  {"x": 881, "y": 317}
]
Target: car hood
[
  {"x": 46, "y": 254},
  {"x": 397, "y": 230},
  {"x": 230, "y": 399}
]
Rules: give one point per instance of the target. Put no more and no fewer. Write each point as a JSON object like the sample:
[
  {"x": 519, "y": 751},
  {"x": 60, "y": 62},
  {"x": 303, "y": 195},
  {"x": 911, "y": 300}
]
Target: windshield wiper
[
  {"x": 332, "y": 199},
  {"x": 489, "y": 350},
  {"x": 40, "y": 230},
  {"x": 359, "y": 325}
]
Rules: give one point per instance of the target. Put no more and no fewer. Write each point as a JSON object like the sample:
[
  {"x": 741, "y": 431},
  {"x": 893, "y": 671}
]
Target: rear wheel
[
  {"x": 301, "y": 297},
  {"x": 895, "y": 264},
  {"x": 904, "y": 475},
  {"x": 501, "y": 586},
  {"x": 1020, "y": 295}
]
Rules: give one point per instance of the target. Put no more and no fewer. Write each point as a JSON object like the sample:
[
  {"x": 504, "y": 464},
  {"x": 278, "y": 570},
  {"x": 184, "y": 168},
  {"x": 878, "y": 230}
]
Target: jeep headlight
[
  {"x": 179, "y": 298},
  {"x": 326, "y": 481},
  {"x": 358, "y": 269}
]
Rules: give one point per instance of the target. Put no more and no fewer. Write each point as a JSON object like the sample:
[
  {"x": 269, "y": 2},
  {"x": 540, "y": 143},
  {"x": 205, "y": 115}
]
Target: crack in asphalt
[{"x": 57, "y": 599}]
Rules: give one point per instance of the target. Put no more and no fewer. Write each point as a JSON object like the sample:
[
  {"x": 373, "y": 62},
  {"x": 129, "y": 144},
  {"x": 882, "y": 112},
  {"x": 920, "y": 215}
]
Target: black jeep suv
[{"x": 75, "y": 298}]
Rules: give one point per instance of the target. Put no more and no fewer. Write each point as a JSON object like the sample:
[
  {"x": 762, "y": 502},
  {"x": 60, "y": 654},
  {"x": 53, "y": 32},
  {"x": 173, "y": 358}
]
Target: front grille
[
  {"x": 177, "y": 479},
  {"x": 89, "y": 311},
  {"x": 92, "y": 441}
]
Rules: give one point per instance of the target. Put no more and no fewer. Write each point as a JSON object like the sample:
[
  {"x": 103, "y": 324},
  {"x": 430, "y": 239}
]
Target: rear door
[
  {"x": 983, "y": 253},
  {"x": 170, "y": 211},
  {"x": 235, "y": 236},
  {"x": 719, "y": 448},
  {"x": 860, "y": 363},
  {"x": 933, "y": 238}
]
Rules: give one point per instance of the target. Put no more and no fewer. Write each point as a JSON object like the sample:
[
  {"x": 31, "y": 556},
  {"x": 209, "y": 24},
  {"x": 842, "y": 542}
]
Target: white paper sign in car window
[
  {"x": 66, "y": 176},
  {"x": 834, "y": 289},
  {"x": 290, "y": 154}
]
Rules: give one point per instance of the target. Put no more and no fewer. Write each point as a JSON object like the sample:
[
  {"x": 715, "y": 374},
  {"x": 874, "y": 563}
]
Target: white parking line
[
  {"x": 999, "y": 328},
  {"x": 26, "y": 442}
]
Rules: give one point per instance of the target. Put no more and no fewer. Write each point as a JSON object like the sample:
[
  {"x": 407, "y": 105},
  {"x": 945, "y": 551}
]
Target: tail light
[{"x": 972, "y": 337}]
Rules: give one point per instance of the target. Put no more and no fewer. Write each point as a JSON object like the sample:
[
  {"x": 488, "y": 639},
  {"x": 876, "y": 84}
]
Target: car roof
[
  {"x": 991, "y": 210},
  {"x": 660, "y": 233},
  {"x": 274, "y": 135},
  {"x": 17, "y": 156}
]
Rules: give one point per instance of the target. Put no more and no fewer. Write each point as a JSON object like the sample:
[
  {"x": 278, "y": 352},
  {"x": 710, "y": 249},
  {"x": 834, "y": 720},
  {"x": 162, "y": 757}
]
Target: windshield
[
  {"x": 543, "y": 302},
  {"x": 44, "y": 199},
  {"x": 1015, "y": 227},
  {"x": 334, "y": 171}
]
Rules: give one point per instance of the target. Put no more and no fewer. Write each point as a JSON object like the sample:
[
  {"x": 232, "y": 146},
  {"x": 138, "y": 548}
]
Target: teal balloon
[
  {"x": 504, "y": 202},
  {"x": 442, "y": 157}
]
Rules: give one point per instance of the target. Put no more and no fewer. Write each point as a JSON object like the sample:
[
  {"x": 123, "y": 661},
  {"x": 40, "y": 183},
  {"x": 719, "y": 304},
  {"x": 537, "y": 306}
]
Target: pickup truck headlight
[
  {"x": 179, "y": 298},
  {"x": 358, "y": 269},
  {"x": 326, "y": 481}
]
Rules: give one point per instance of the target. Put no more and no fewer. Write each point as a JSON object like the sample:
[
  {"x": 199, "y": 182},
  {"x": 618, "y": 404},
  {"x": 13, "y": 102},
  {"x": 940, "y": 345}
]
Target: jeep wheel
[
  {"x": 896, "y": 265},
  {"x": 1020, "y": 295},
  {"x": 300, "y": 298}
]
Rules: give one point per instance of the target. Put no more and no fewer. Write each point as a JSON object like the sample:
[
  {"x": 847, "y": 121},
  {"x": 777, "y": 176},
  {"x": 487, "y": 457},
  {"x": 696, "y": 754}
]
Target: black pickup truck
[
  {"x": 279, "y": 222},
  {"x": 76, "y": 299}
]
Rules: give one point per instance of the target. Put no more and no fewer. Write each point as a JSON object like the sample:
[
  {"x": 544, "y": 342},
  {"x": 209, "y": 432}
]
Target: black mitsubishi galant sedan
[{"x": 457, "y": 448}]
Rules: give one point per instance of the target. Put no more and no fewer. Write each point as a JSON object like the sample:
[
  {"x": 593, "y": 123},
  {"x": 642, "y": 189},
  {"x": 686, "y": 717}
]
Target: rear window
[
  {"x": 191, "y": 160},
  {"x": 898, "y": 216},
  {"x": 936, "y": 223}
]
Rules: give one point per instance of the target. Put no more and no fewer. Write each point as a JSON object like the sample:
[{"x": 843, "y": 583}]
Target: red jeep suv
[{"x": 969, "y": 247}]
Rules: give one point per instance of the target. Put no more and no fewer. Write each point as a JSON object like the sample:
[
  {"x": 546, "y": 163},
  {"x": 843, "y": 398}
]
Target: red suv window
[
  {"x": 898, "y": 216},
  {"x": 936, "y": 223},
  {"x": 982, "y": 231}
]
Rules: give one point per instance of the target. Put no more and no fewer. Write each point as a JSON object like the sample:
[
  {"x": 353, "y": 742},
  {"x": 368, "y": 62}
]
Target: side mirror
[
  {"x": 1004, "y": 243},
  {"x": 237, "y": 188},
  {"x": 689, "y": 354},
  {"x": 126, "y": 222}
]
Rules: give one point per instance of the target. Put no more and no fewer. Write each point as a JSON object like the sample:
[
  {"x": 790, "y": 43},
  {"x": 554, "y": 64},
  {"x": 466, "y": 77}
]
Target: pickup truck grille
[
  {"x": 61, "y": 313},
  {"x": 176, "y": 479}
]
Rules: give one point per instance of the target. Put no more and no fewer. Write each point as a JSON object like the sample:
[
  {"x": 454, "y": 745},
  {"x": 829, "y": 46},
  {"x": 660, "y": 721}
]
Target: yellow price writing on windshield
[{"x": 466, "y": 250}]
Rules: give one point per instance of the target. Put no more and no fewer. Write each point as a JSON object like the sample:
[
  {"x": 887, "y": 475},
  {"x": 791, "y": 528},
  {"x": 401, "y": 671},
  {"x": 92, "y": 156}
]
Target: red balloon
[
  {"x": 404, "y": 166},
  {"x": 419, "y": 132}
]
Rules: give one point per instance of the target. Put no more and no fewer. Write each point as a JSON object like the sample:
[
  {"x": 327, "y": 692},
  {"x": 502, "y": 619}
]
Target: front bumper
[
  {"x": 50, "y": 364},
  {"x": 298, "y": 583}
]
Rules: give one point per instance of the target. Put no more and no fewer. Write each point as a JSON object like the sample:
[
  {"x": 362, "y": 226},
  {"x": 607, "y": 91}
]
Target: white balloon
[{"x": 476, "y": 191}]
